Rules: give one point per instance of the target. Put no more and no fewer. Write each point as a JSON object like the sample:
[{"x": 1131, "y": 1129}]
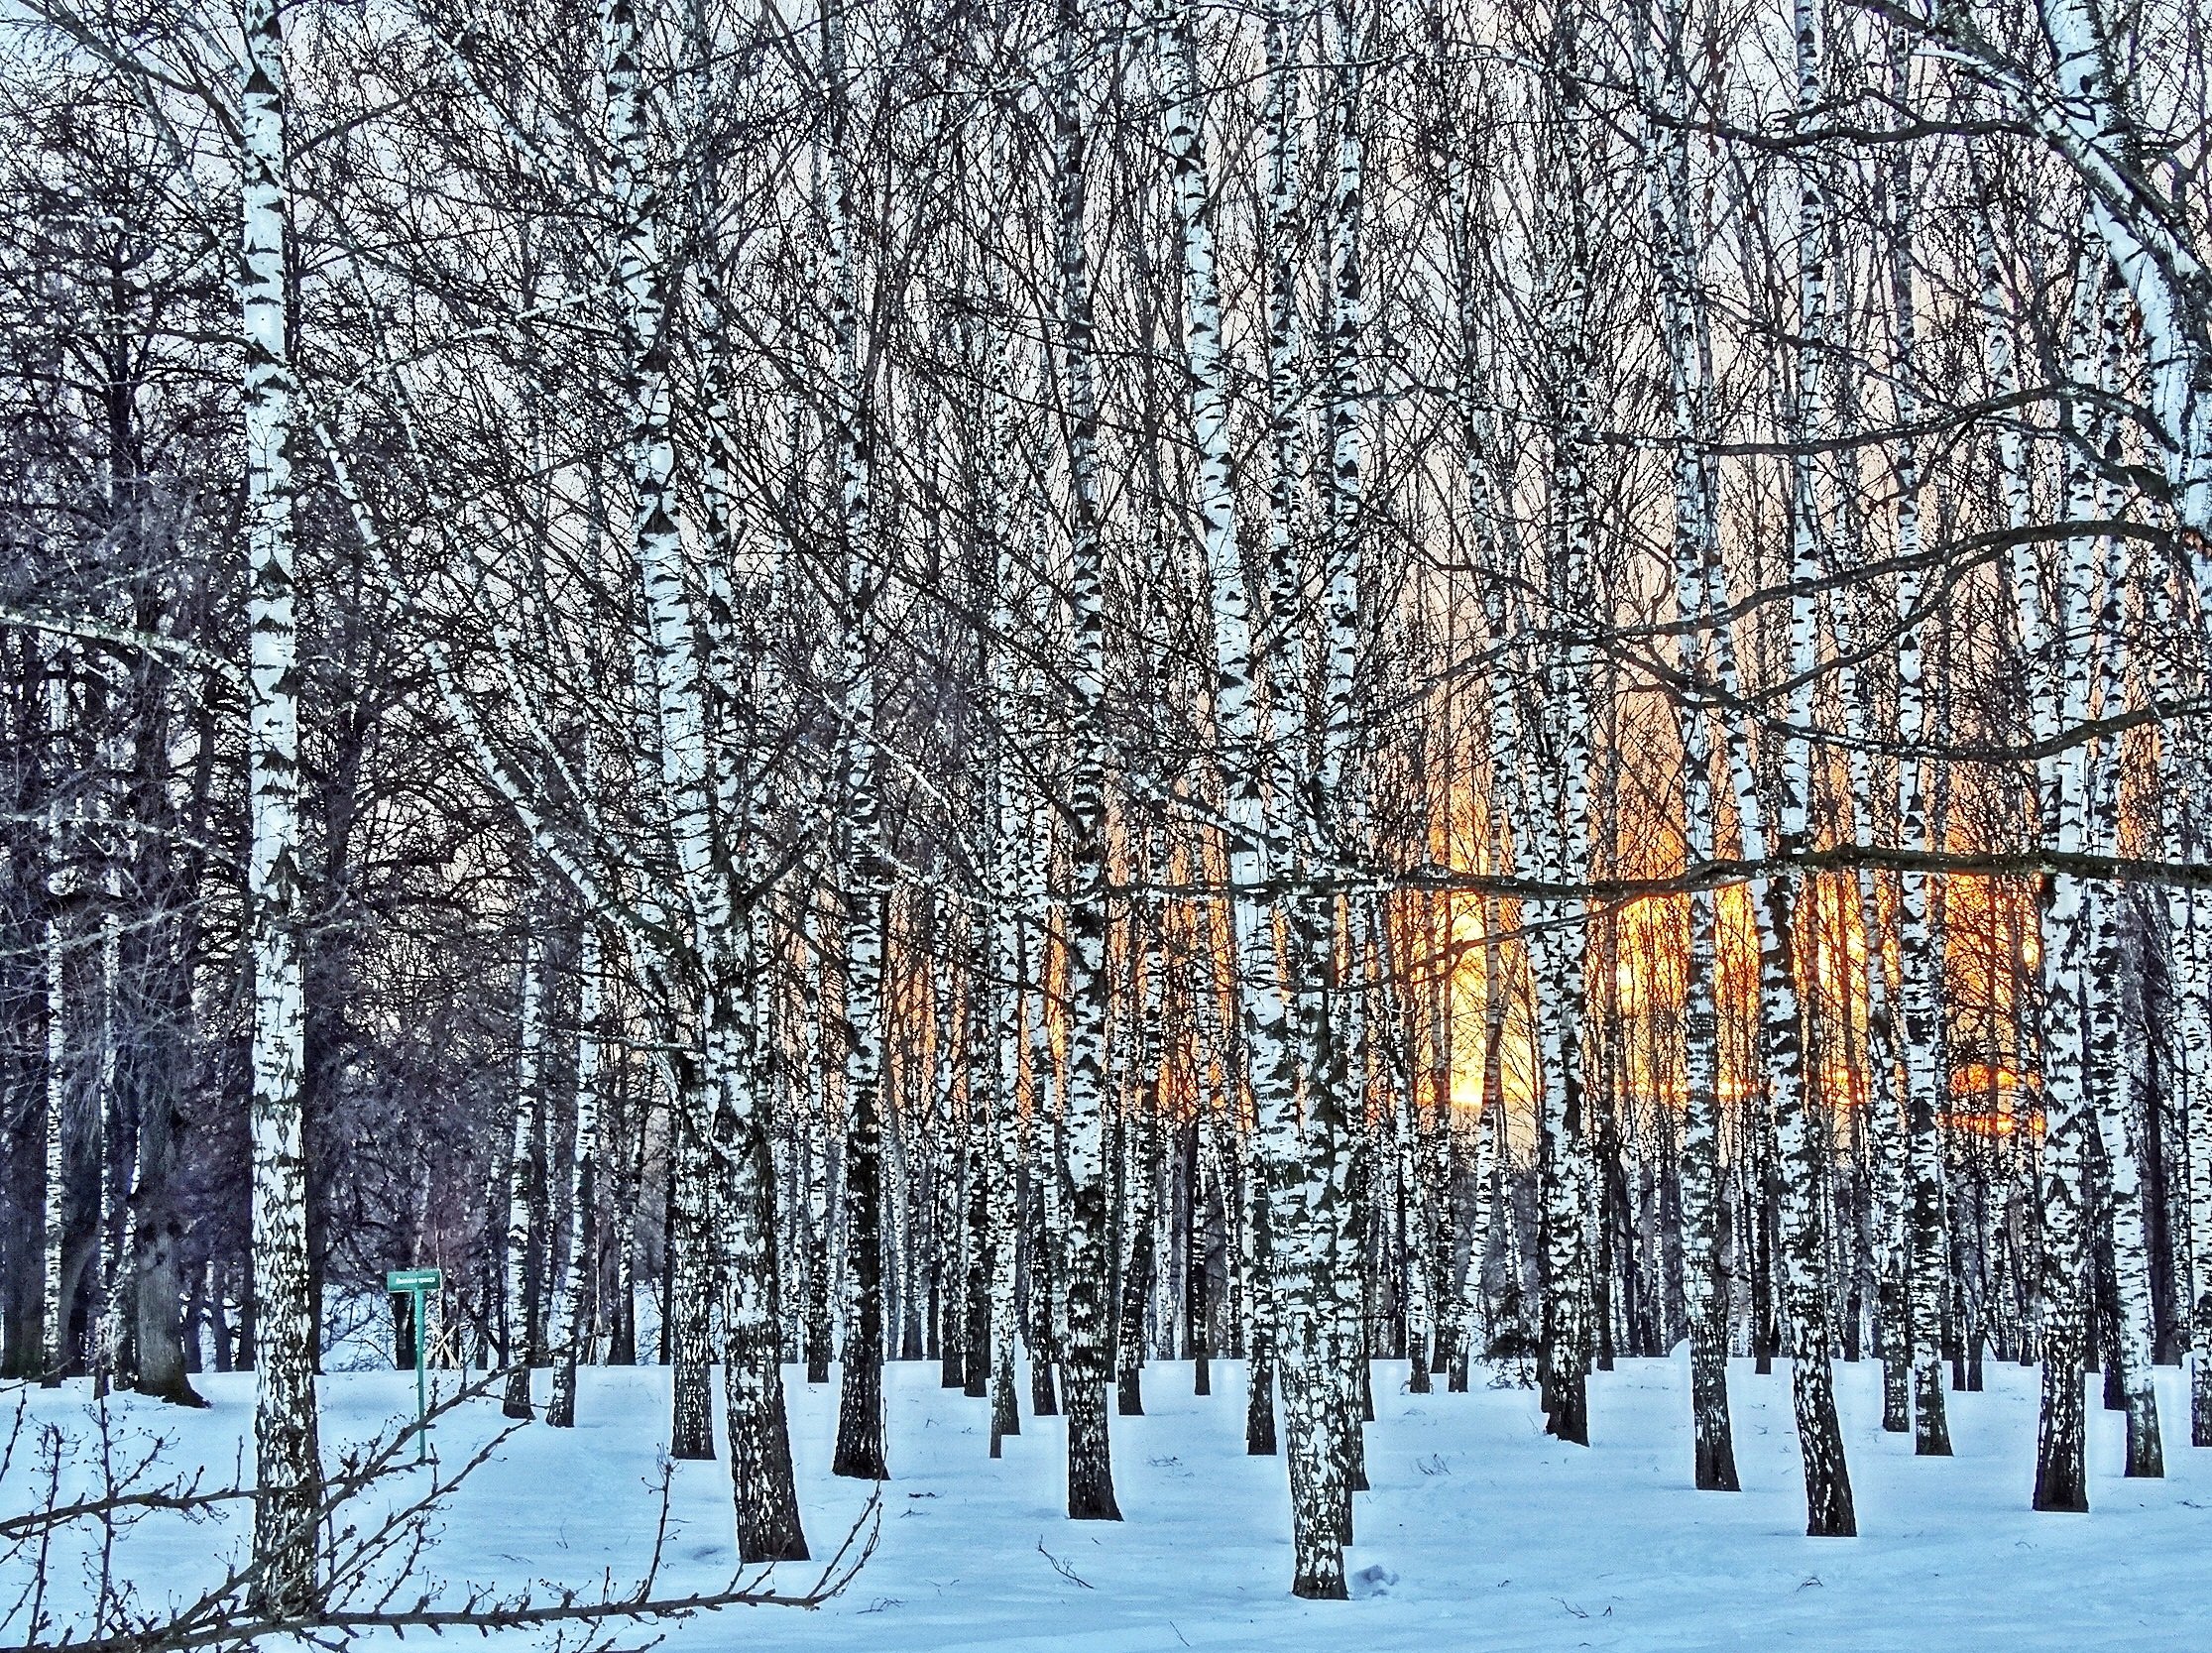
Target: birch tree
[{"x": 288, "y": 1474}]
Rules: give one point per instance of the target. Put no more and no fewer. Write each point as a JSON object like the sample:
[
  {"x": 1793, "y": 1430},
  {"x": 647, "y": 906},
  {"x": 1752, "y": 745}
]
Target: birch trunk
[
  {"x": 1045, "y": 1228},
  {"x": 518, "y": 1348},
  {"x": 1566, "y": 1280},
  {"x": 1278, "y": 1246},
  {"x": 2061, "y": 1472},
  {"x": 287, "y": 1478},
  {"x": 53, "y": 1316},
  {"x": 2195, "y": 1013},
  {"x": 1252, "y": 846},
  {"x": 576, "y": 1288},
  {"x": 1829, "y": 1502},
  {"x": 1311, "y": 1212},
  {"x": 1920, "y": 959},
  {"x": 2120, "y": 1111},
  {"x": 859, "y": 1431},
  {"x": 1697, "y": 545},
  {"x": 674, "y": 707},
  {"x": 1089, "y": 1288}
]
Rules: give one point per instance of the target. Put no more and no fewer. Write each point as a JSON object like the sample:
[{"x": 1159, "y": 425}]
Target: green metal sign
[{"x": 417, "y": 1283}]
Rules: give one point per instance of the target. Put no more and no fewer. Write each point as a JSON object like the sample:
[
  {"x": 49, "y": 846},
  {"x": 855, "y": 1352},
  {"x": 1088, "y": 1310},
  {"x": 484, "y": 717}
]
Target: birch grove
[{"x": 1349, "y": 692}]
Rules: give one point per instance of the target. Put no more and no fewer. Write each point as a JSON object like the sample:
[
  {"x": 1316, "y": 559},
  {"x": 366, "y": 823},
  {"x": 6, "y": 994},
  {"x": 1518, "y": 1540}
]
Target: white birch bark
[
  {"x": 287, "y": 1470},
  {"x": 1253, "y": 848},
  {"x": 2119, "y": 1112},
  {"x": 861, "y": 1450},
  {"x": 1830, "y": 1511},
  {"x": 676, "y": 684},
  {"x": 1676, "y": 239},
  {"x": 1087, "y": 1360},
  {"x": 2186, "y": 807},
  {"x": 1274, "y": 1217},
  {"x": 1314, "y": 1228},
  {"x": 1884, "y": 1129},
  {"x": 1925, "y": 1258},
  {"x": 117, "y": 1163},
  {"x": 1507, "y": 802},
  {"x": 53, "y": 1316},
  {"x": 576, "y": 1286},
  {"x": 2194, "y": 1010},
  {"x": 1010, "y": 936},
  {"x": 518, "y": 1347},
  {"x": 2061, "y": 1474},
  {"x": 1557, "y": 952},
  {"x": 707, "y": 1008},
  {"x": 1335, "y": 1078}
]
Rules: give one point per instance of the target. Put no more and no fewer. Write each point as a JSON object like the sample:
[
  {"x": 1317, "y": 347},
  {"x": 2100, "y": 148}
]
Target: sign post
[{"x": 417, "y": 1283}]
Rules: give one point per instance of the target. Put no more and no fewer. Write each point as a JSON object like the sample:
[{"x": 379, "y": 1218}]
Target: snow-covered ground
[{"x": 1480, "y": 1533}]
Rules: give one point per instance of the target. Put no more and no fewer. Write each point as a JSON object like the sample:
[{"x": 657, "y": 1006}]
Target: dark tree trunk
[
  {"x": 1137, "y": 1288},
  {"x": 2062, "y": 1481},
  {"x": 769, "y": 1527},
  {"x": 1766, "y": 1317},
  {"x": 1891, "y": 1344},
  {"x": 949, "y": 1317},
  {"x": 156, "y": 1235},
  {"x": 1090, "y": 1462},
  {"x": 686, "y": 1337},
  {"x": 1715, "y": 1448},
  {"x": 226, "y": 1351},
  {"x": 195, "y": 1316},
  {"x": 1044, "y": 1400},
  {"x": 860, "y": 1417},
  {"x": 975, "y": 1293},
  {"x": 1197, "y": 1309},
  {"x": 817, "y": 1325}
]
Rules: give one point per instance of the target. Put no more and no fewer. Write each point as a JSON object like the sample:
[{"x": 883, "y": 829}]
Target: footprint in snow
[{"x": 1371, "y": 1581}]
